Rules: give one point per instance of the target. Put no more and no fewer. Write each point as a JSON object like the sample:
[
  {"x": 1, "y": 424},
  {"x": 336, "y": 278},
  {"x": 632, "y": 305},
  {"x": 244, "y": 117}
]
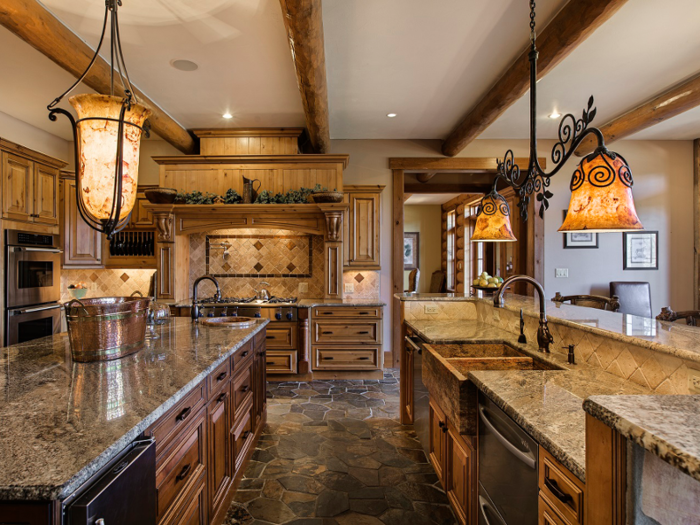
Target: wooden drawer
[
  {"x": 560, "y": 489},
  {"x": 241, "y": 357},
  {"x": 546, "y": 515},
  {"x": 218, "y": 378},
  {"x": 242, "y": 436},
  {"x": 281, "y": 362},
  {"x": 347, "y": 312},
  {"x": 177, "y": 418},
  {"x": 192, "y": 507},
  {"x": 337, "y": 358},
  {"x": 281, "y": 336},
  {"x": 241, "y": 392},
  {"x": 183, "y": 465},
  {"x": 347, "y": 332}
]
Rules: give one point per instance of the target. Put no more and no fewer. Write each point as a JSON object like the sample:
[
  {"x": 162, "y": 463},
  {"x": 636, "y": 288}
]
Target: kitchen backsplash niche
[{"x": 103, "y": 283}]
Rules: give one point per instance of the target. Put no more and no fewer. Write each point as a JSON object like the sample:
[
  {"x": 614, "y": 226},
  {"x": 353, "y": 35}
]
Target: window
[{"x": 451, "y": 250}]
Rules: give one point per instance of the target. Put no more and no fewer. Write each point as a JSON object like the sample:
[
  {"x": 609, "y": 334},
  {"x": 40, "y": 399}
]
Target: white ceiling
[
  {"x": 429, "y": 199},
  {"x": 426, "y": 61}
]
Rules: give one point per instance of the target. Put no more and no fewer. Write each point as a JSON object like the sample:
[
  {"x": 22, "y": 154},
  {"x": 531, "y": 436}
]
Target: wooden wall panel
[{"x": 696, "y": 205}]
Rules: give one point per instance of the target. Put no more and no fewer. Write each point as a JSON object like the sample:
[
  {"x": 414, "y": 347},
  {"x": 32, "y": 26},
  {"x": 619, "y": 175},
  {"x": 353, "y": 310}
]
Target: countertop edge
[{"x": 60, "y": 492}]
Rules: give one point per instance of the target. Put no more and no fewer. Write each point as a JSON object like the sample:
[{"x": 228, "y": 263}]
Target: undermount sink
[
  {"x": 230, "y": 322},
  {"x": 476, "y": 351}
]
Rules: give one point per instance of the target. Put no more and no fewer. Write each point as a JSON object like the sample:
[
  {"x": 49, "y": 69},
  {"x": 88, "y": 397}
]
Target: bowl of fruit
[
  {"x": 486, "y": 283},
  {"x": 78, "y": 290}
]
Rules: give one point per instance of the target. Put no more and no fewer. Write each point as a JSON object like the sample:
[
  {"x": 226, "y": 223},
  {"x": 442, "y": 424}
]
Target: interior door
[{"x": 17, "y": 182}]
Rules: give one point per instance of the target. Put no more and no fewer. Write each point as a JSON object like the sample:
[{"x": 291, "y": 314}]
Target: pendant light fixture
[
  {"x": 601, "y": 187},
  {"x": 107, "y": 138}
]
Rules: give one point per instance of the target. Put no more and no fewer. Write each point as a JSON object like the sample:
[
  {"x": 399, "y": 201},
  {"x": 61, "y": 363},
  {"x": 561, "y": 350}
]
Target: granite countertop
[
  {"x": 666, "y": 426},
  {"x": 548, "y": 405},
  {"x": 62, "y": 421},
  {"x": 310, "y": 303},
  {"x": 434, "y": 297}
]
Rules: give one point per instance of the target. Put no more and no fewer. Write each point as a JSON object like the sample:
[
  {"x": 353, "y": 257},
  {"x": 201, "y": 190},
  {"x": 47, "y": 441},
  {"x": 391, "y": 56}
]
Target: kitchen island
[{"x": 63, "y": 421}]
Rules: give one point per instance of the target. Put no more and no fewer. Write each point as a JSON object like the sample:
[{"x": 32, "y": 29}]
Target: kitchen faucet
[
  {"x": 544, "y": 337},
  {"x": 263, "y": 294},
  {"x": 195, "y": 306}
]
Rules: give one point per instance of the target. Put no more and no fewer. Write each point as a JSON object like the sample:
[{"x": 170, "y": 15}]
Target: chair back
[
  {"x": 692, "y": 317},
  {"x": 634, "y": 296},
  {"x": 600, "y": 302},
  {"x": 413, "y": 278},
  {"x": 438, "y": 282}
]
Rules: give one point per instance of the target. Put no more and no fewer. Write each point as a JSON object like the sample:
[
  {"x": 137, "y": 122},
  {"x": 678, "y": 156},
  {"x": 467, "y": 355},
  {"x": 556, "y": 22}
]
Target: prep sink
[{"x": 446, "y": 368}]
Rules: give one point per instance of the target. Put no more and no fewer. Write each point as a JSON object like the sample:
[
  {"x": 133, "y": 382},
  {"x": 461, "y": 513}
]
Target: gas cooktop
[{"x": 252, "y": 301}]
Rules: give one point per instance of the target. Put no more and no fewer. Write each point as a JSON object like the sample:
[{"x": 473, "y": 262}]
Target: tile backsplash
[
  {"x": 365, "y": 284},
  {"x": 102, "y": 283},
  {"x": 282, "y": 258}
]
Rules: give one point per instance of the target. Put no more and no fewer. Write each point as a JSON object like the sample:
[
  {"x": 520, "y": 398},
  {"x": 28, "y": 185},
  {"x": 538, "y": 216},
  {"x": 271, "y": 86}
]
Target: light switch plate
[
  {"x": 693, "y": 381},
  {"x": 431, "y": 309},
  {"x": 561, "y": 272},
  {"x": 303, "y": 287},
  {"x": 349, "y": 288}
]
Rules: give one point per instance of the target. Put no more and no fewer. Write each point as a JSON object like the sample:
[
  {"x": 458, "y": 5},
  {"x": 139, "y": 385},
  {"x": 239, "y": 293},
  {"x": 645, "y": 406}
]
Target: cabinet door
[
  {"x": 260, "y": 377},
  {"x": 407, "y": 378},
  {"x": 17, "y": 182},
  {"x": 364, "y": 230},
  {"x": 219, "y": 449},
  {"x": 45, "y": 194},
  {"x": 460, "y": 477},
  {"x": 140, "y": 216},
  {"x": 438, "y": 430},
  {"x": 82, "y": 246}
]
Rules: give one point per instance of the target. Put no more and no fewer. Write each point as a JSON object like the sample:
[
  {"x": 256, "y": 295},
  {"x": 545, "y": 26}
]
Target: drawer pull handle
[
  {"x": 244, "y": 354},
  {"x": 327, "y": 333},
  {"x": 327, "y": 313},
  {"x": 245, "y": 389},
  {"x": 441, "y": 424},
  {"x": 269, "y": 363},
  {"x": 261, "y": 353},
  {"x": 363, "y": 358},
  {"x": 364, "y": 313},
  {"x": 328, "y": 358},
  {"x": 554, "y": 489},
  {"x": 246, "y": 434},
  {"x": 221, "y": 397},
  {"x": 270, "y": 337},
  {"x": 183, "y": 473},
  {"x": 363, "y": 333},
  {"x": 221, "y": 377},
  {"x": 184, "y": 414},
  {"x": 444, "y": 429}
]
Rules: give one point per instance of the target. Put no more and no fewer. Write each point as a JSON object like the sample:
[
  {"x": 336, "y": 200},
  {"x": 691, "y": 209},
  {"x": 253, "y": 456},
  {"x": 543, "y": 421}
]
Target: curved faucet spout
[
  {"x": 544, "y": 336},
  {"x": 195, "y": 306}
]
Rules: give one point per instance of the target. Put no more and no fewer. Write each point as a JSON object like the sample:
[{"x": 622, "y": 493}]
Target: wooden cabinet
[
  {"x": 82, "y": 246},
  {"x": 141, "y": 218},
  {"x": 453, "y": 456},
  {"x": 29, "y": 189},
  {"x": 361, "y": 239},
  {"x": 346, "y": 338},
  {"x": 260, "y": 377},
  {"x": 219, "y": 448},
  {"x": 561, "y": 493}
]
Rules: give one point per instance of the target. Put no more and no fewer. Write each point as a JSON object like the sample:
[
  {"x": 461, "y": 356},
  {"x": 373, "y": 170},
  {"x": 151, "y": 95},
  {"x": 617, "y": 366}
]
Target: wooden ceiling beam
[
  {"x": 424, "y": 189},
  {"x": 571, "y": 26},
  {"x": 425, "y": 177},
  {"x": 34, "y": 24},
  {"x": 304, "y": 24},
  {"x": 672, "y": 102}
]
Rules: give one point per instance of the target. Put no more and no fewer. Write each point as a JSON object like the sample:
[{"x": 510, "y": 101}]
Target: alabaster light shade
[
  {"x": 493, "y": 220},
  {"x": 97, "y": 153},
  {"x": 601, "y": 196}
]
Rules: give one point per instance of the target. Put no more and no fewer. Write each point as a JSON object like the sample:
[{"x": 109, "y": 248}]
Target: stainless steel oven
[
  {"x": 32, "y": 269},
  {"x": 25, "y": 324}
]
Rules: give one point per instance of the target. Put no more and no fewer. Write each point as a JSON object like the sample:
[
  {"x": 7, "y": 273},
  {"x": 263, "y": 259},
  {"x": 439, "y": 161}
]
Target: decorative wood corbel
[
  {"x": 334, "y": 225},
  {"x": 164, "y": 223}
]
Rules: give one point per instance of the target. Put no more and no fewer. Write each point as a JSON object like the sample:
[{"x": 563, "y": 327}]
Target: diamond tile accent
[
  {"x": 94, "y": 277},
  {"x": 124, "y": 277},
  {"x": 291, "y": 267},
  {"x": 258, "y": 245},
  {"x": 359, "y": 278},
  {"x": 258, "y": 267},
  {"x": 227, "y": 266},
  {"x": 291, "y": 245}
]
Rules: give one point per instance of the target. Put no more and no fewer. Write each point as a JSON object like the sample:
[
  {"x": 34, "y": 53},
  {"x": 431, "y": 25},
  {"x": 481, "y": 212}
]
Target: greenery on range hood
[{"x": 300, "y": 196}]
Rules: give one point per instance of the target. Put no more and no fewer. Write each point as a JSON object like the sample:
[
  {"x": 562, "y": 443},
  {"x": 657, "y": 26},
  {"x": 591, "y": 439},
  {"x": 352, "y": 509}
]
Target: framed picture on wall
[
  {"x": 580, "y": 239},
  {"x": 640, "y": 250},
  {"x": 411, "y": 248}
]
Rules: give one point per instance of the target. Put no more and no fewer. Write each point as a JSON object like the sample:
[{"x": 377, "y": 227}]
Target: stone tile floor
[{"x": 334, "y": 453}]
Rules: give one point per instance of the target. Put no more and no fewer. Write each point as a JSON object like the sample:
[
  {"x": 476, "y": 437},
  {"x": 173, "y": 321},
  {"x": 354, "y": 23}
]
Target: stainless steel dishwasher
[
  {"x": 507, "y": 469},
  {"x": 421, "y": 407}
]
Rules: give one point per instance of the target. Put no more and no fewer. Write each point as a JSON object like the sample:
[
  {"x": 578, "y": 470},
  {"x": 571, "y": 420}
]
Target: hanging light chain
[{"x": 533, "y": 34}]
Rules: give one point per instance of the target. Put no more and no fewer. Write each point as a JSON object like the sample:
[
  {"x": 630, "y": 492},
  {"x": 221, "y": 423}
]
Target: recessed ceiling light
[
  {"x": 554, "y": 114},
  {"x": 184, "y": 65},
  {"x": 391, "y": 115},
  {"x": 227, "y": 115}
]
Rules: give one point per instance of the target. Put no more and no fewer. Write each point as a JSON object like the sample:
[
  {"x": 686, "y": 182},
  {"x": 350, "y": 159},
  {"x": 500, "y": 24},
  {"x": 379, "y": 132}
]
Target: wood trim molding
[
  {"x": 696, "y": 210},
  {"x": 367, "y": 188},
  {"x": 674, "y": 101},
  {"x": 22, "y": 151},
  {"x": 304, "y": 23},
  {"x": 244, "y": 161},
  {"x": 433, "y": 164},
  {"x": 34, "y": 24},
  {"x": 569, "y": 28},
  {"x": 247, "y": 132},
  {"x": 397, "y": 268}
]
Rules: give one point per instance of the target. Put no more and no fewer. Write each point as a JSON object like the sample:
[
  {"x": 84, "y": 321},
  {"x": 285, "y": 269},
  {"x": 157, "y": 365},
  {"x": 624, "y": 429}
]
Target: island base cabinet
[
  {"x": 219, "y": 447},
  {"x": 192, "y": 508}
]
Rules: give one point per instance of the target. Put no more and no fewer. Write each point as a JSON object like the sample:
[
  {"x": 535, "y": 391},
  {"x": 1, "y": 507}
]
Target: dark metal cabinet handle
[
  {"x": 245, "y": 389},
  {"x": 364, "y": 313},
  {"x": 269, "y": 363},
  {"x": 328, "y": 358},
  {"x": 326, "y": 333},
  {"x": 327, "y": 313},
  {"x": 363, "y": 333},
  {"x": 554, "y": 489},
  {"x": 246, "y": 434},
  {"x": 244, "y": 354},
  {"x": 184, "y": 414},
  {"x": 363, "y": 358},
  {"x": 221, "y": 398},
  {"x": 183, "y": 473},
  {"x": 441, "y": 424},
  {"x": 270, "y": 337},
  {"x": 221, "y": 377}
]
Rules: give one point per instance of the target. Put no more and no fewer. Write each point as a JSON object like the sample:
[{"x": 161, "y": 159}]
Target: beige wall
[
  {"x": 149, "y": 172},
  {"x": 20, "y": 132},
  {"x": 426, "y": 220}
]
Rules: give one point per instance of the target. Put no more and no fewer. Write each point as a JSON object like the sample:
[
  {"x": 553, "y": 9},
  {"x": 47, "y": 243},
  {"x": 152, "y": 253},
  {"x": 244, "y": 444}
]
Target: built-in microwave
[{"x": 32, "y": 269}]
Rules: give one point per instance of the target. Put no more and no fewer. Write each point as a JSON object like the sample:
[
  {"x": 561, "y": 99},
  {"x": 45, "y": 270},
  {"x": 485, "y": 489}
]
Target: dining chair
[
  {"x": 600, "y": 302},
  {"x": 438, "y": 282},
  {"x": 692, "y": 317},
  {"x": 413, "y": 278},
  {"x": 634, "y": 297}
]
